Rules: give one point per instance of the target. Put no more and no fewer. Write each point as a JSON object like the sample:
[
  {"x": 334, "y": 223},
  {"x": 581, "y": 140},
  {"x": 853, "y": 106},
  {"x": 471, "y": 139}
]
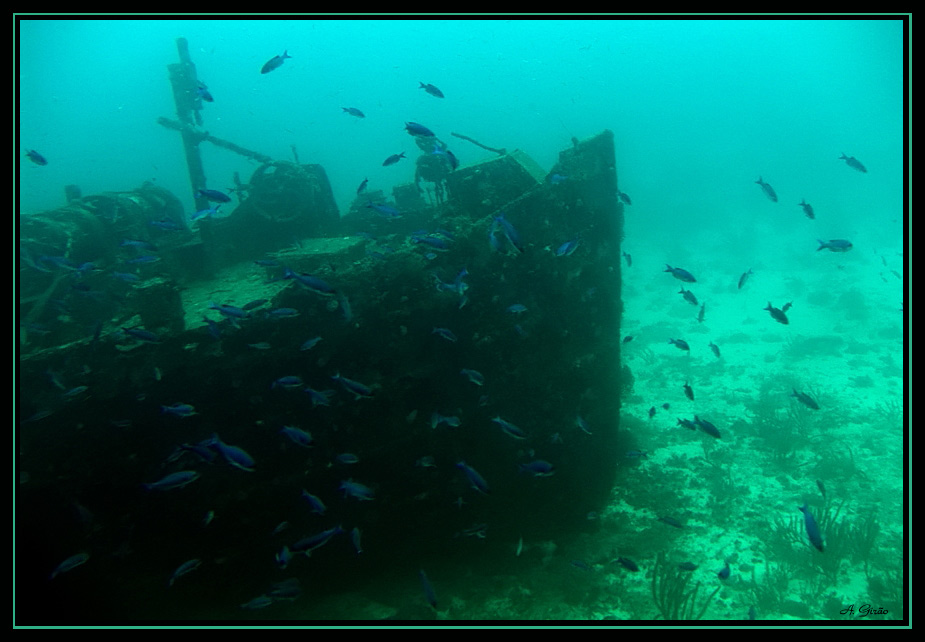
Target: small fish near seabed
[
  {"x": 853, "y": 163},
  {"x": 777, "y": 314},
  {"x": 805, "y": 399},
  {"x": 706, "y": 427},
  {"x": 353, "y": 111},
  {"x": 835, "y": 245},
  {"x": 767, "y": 189},
  {"x": 274, "y": 63}
]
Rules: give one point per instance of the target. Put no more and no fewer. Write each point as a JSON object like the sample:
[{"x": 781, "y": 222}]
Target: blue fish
[
  {"x": 429, "y": 594},
  {"x": 430, "y": 89},
  {"x": 202, "y": 91},
  {"x": 184, "y": 568},
  {"x": 206, "y": 213},
  {"x": 321, "y": 398},
  {"x": 510, "y": 232},
  {"x": 568, "y": 248},
  {"x": 315, "y": 502},
  {"x": 681, "y": 344},
  {"x": 394, "y": 158},
  {"x": 835, "y": 245},
  {"x": 767, "y": 189},
  {"x": 474, "y": 376},
  {"x": 286, "y": 590},
  {"x": 359, "y": 390},
  {"x": 314, "y": 542},
  {"x": 355, "y": 536},
  {"x": 478, "y": 482},
  {"x": 291, "y": 381},
  {"x": 805, "y": 399},
  {"x": 283, "y": 313},
  {"x": 812, "y": 528},
  {"x": 275, "y": 62},
  {"x": 213, "y": 195},
  {"x": 173, "y": 481},
  {"x": 434, "y": 242},
  {"x": 744, "y": 278},
  {"x": 310, "y": 282},
  {"x": 385, "y": 211},
  {"x": 436, "y": 419},
  {"x": 233, "y": 455},
  {"x": 688, "y": 296},
  {"x": 725, "y": 572},
  {"x": 852, "y": 162},
  {"x": 259, "y": 602},
  {"x": 283, "y": 557},
  {"x": 681, "y": 274},
  {"x": 179, "y": 409},
  {"x": 229, "y": 311},
  {"x": 777, "y": 314},
  {"x": 510, "y": 428},
  {"x": 353, "y": 111},
  {"x": 69, "y": 564},
  {"x": 446, "y": 333},
  {"x": 706, "y": 427},
  {"x": 448, "y": 155},
  {"x": 311, "y": 343},
  {"x": 357, "y": 490},
  {"x": 142, "y": 335},
  {"x": 149, "y": 258},
  {"x": 807, "y": 209},
  {"x": 538, "y": 468},
  {"x": 36, "y": 158},
  {"x": 417, "y": 129},
  {"x": 582, "y": 424},
  {"x": 298, "y": 436}
]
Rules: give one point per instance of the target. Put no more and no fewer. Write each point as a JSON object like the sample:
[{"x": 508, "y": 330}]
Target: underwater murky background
[{"x": 700, "y": 109}]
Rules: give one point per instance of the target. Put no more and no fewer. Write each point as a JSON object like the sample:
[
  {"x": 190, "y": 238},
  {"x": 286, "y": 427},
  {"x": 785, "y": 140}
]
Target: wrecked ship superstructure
[{"x": 415, "y": 305}]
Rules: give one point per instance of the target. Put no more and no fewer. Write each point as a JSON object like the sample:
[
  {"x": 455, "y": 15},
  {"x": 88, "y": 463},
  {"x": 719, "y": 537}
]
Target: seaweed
[
  {"x": 771, "y": 592},
  {"x": 671, "y": 594}
]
